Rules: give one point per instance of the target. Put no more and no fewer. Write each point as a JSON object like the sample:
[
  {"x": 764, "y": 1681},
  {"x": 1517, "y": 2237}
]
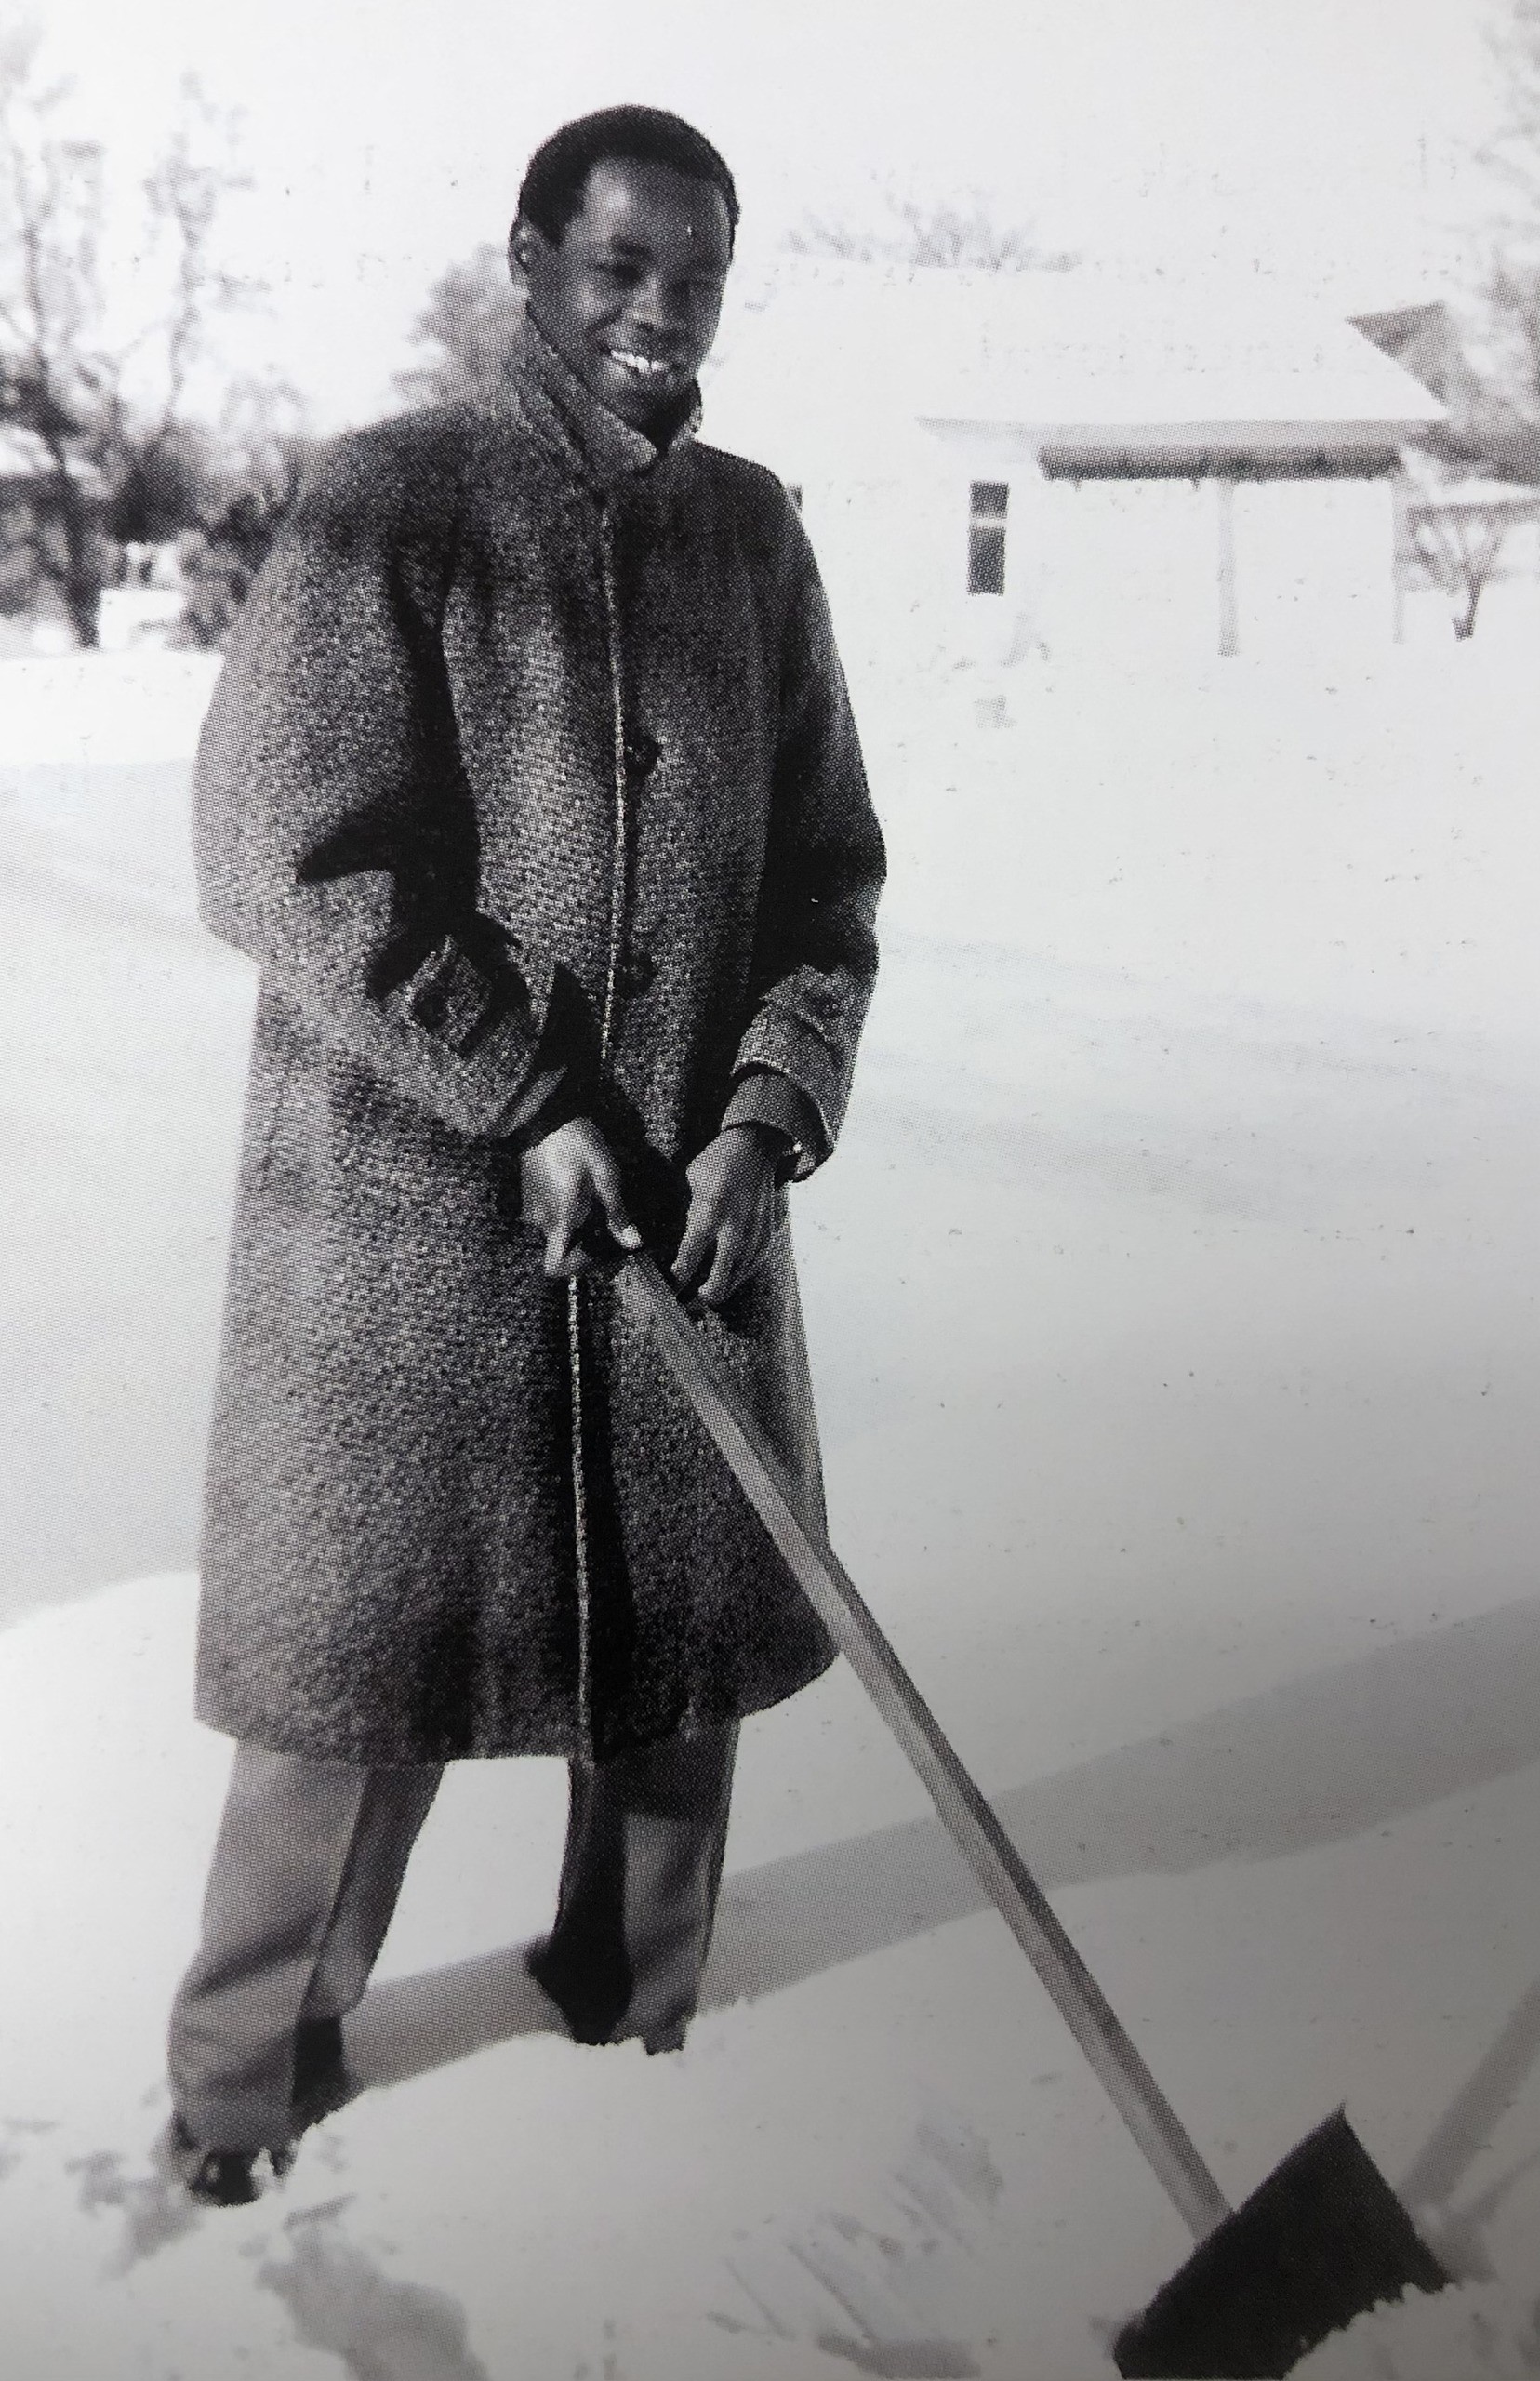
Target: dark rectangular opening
[{"x": 988, "y": 503}]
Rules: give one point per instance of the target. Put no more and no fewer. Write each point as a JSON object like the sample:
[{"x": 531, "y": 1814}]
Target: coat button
[
  {"x": 641, "y": 754},
  {"x": 636, "y": 972}
]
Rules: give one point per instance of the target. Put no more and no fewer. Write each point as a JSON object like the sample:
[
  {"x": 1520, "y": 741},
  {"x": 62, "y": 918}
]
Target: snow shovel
[{"x": 1324, "y": 2238}]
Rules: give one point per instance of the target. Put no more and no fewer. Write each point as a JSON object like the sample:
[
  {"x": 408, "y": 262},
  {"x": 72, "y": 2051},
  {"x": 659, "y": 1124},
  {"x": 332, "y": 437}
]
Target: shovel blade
[{"x": 1322, "y": 2239}]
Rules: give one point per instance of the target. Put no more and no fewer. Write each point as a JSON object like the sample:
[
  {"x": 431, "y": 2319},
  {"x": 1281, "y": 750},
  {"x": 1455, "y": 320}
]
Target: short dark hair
[{"x": 557, "y": 174}]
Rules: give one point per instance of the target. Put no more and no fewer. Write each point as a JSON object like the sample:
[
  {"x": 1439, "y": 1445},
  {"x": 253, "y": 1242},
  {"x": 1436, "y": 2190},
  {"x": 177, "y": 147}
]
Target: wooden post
[{"x": 1229, "y": 618}]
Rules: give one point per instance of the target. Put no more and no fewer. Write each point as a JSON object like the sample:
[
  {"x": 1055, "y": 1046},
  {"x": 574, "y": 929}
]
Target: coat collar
[{"x": 594, "y": 441}]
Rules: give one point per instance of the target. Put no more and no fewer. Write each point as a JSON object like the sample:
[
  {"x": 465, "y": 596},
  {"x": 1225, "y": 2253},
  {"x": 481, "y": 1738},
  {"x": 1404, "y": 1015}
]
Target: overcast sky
[{"x": 1319, "y": 139}]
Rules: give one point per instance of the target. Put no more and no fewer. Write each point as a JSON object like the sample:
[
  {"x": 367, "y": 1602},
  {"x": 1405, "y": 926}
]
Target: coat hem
[{"x": 560, "y": 1743}]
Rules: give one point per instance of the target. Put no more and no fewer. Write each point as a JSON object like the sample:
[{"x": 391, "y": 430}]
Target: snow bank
[
  {"x": 880, "y": 2152},
  {"x": 101, "y": 707},
  {"x": 1355, "y": 840},
  {"x": 1462, "y": 2334}
]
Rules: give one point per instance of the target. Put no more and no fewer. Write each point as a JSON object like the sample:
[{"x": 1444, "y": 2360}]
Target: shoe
[
  {"x": 228, "y": 2178},
  {"x": 322, "y": 2083},
  {"x": 215, "y": 2177},
  {"x": 592, "y": 2012}
]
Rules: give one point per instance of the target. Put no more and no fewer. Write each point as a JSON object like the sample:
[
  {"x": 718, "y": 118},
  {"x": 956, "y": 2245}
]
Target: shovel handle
[{"x": 778, "y": 1500}]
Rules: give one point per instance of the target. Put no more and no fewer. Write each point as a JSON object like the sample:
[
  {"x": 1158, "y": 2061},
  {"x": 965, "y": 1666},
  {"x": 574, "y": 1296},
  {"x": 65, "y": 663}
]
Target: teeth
[{"x": 646, "y": 367}]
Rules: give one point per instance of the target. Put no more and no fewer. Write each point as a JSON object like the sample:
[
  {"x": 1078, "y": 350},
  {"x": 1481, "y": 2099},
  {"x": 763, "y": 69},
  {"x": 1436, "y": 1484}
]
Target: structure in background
[
  {"x": 144, "y": 613},
  {"x": 992, "y": 464}
]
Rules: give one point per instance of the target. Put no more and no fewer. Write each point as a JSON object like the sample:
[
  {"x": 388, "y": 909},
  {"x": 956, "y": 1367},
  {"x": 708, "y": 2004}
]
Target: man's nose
[{"x": 658, "y": 306}]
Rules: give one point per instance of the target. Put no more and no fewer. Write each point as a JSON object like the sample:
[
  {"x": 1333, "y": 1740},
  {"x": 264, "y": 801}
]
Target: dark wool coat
[{"x": 530, "y": 772}]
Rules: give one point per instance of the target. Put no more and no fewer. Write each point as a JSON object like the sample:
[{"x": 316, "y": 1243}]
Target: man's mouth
[{"x": 650, "y": 370}]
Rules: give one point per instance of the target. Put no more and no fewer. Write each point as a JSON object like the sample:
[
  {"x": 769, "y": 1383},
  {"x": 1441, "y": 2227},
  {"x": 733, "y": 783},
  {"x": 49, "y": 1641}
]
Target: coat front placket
[{"x": 619, "y": 878}]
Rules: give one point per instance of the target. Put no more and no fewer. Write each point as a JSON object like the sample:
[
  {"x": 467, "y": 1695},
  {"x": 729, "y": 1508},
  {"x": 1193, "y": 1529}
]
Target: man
[{"x": 532, "y": 785}]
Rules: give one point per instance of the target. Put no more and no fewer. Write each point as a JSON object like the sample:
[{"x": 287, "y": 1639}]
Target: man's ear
[{"x": 526, "y": 243}]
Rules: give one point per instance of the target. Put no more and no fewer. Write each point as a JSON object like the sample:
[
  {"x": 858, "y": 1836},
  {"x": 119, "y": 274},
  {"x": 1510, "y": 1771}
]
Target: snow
[
  {"x": 1478, "y": 2331},
  {"x": 113, "y": 708},
  {"x": 1173, "y": 1310}
]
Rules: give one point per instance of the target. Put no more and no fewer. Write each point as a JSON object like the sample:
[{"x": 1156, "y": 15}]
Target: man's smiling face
[{"x": 629, "y": 296}]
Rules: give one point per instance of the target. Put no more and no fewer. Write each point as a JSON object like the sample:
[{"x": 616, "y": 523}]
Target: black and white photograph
[{"x": 769, "y": 1147}]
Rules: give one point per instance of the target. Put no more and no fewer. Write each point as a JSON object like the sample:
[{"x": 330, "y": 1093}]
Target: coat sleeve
[
  {"x": 333, "y": 828},
  {"x": 815, "y": 945}
]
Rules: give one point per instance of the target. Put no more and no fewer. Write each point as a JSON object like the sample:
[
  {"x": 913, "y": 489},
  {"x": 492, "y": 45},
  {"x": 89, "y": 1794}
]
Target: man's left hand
[{"x": 732, "y": 1218}]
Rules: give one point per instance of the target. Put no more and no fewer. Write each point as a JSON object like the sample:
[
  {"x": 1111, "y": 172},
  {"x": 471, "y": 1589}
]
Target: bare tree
[
  {"x": 1458, "y": 532},
  {"x": 98, "y": 416},
  {"x": 956, "y": 232},
  {"x": 471, "y": 319}
]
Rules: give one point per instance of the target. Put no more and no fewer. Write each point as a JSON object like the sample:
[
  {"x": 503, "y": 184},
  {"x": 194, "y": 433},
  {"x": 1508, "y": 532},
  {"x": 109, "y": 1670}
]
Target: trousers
[{"x": 306, "y": 1869}]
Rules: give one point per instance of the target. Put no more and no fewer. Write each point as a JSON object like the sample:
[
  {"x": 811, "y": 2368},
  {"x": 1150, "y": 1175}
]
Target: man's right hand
[{"x": 565, "y": 1181}]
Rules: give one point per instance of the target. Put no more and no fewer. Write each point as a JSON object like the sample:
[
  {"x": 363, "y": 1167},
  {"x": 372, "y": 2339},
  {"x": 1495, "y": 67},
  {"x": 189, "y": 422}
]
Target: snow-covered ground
[{"x": 1172, "y": 1301}]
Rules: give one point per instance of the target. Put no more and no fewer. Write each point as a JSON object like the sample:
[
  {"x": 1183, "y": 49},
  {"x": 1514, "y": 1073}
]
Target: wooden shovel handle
[{"x": 776, "y": 1496}]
